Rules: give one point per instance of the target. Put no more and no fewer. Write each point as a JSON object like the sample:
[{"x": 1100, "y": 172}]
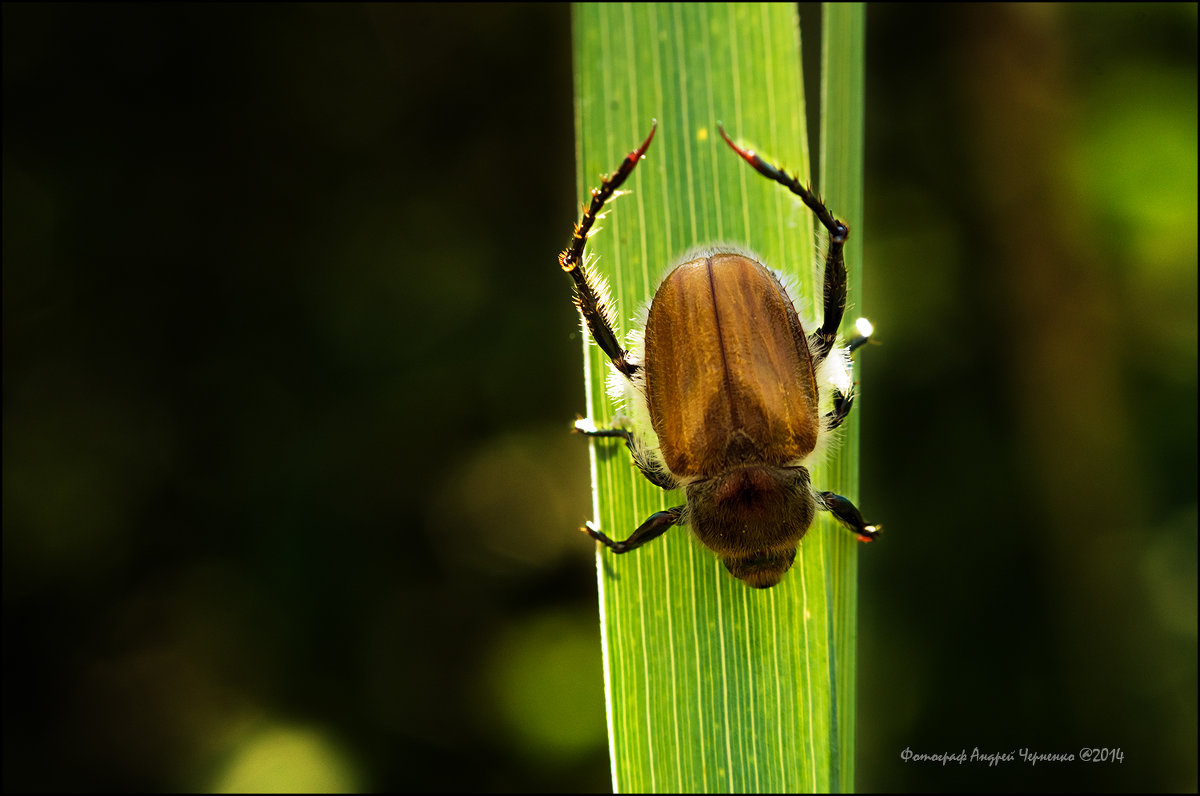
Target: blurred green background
[{"x": 288, "y": 497}]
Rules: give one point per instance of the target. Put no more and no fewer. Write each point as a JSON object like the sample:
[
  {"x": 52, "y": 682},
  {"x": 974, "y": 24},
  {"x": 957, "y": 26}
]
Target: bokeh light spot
[{"x": 287, "y": 760}]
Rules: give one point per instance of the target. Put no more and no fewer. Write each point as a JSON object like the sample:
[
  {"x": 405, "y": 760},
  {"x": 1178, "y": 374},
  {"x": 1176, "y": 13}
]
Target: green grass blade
[
  {"x": 711, "y": 686},
  {"x": 843, "y": 63}
]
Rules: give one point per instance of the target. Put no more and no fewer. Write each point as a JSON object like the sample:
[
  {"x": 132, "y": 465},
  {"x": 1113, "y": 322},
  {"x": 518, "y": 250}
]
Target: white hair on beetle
[{"x": 629, "y": 394}]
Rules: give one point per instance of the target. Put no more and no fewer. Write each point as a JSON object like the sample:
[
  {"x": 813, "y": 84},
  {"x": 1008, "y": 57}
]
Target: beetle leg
[
  {"x": 841, "y": 408},
  {"x": 841, "y": 401},
  {"x": 590, "y": 290},
  {"x": 848, "y": 514},
  {"x": 835, "y": 293},
  {"x": 652, "y": 528},
  {"x": 823, "y": 339},
  {"x": 652, "y": 473}
]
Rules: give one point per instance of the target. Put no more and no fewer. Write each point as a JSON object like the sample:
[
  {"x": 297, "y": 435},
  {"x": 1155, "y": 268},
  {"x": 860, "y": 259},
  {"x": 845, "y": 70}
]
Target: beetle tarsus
[
  {"x": 848, "y": 514},
  {"x": 652, "y": 528},
  {"x": 841, "y": 408},
  {"x": 835, "y": 264},
  {"x": 603, "y": 432},
  {"x": 653, "y": 474},
  {"x": 871, "y": 533},
  {"x": 589, "y": 287},
  {"x": 857, "y": 342}
]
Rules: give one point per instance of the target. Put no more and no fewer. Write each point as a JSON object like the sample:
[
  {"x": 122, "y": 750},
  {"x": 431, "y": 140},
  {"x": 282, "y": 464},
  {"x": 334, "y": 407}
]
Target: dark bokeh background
[{"x": 288, "y": 364}]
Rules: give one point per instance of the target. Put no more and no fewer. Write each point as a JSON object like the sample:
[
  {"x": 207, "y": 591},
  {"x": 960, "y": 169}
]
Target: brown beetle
[{"x": 730, "y": 385}]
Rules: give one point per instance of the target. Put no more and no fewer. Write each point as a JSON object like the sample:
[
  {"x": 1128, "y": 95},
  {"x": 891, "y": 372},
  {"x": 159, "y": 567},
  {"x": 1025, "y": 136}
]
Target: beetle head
[{"x": 753, "y": 518}]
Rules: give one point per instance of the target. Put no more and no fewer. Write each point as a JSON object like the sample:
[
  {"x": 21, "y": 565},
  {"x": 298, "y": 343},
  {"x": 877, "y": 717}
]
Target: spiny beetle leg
[
  {"x": 652, "y": 528},
  {"x": 848, "y": 514},
  {"x": 835, "y": 264},
  {"x": 841, "y": 408},
  {"x": 653, "y": 475},
  {"x": 841, "y": 401},
  {"x": 589, "y": 288}
]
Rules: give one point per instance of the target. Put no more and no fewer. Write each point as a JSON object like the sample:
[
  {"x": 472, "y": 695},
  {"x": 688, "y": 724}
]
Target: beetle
[{"x": 731, "y": 386}]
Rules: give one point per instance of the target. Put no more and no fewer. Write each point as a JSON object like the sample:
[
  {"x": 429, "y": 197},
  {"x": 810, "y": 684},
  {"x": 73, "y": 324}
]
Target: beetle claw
[{"x": 872, "y": 533}]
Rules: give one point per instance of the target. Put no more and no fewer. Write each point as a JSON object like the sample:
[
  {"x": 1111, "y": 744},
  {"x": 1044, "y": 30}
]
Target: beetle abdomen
[{"x": 729, "y": 377}]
